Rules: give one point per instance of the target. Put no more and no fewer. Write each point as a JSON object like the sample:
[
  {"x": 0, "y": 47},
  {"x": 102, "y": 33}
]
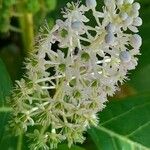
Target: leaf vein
[
  {"x": 123, "y": 138},
  {"x": 124, "y": 113},
  {"x": 138, "y": 129}
]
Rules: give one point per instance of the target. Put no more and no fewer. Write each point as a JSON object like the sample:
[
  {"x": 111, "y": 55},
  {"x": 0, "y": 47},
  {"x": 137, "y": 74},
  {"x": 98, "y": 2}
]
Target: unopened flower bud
[
  {"x": 76, "y": 25},
  {"x": 125, "y": 56},
  {"x": 59, "y": 22},
  {"x": 110, "y": 38},
  {"x": 91, "y": 3},
  {"x": 136, "y": 41},
  {"x": 110, "y": 28},
  {"x": 85, "y": 56}
]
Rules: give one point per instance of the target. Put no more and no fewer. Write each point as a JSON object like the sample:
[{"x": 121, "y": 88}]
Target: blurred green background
[{"x": 124, "y": 124}]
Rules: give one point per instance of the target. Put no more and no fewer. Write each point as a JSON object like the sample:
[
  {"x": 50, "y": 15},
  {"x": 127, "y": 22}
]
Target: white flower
[
  {"x": 136, "y": 41},
  {"x": 128, "y": 21},
  {"x": 137, "y": 21},
  {"x": 119, "y": 2},
  {"x": 123, "y": 15},
  {"x": 75, "y": 68},
  {"x": 110, "y": 38},
  {"x": 128, "y": 1},
  {"x": 76, "y": 26},
  {"x": 91, "y": 3},
  {"x": 110, "y": 28},
  {"x": 125, "y": 56},
  {"x": 136, "y": 6}
]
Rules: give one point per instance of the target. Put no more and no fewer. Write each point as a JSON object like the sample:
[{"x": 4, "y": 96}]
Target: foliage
[
  {"x": 16, "y": 8},
  {"x": 29, "y": 15},
  {"x": 123, "y": 124}
]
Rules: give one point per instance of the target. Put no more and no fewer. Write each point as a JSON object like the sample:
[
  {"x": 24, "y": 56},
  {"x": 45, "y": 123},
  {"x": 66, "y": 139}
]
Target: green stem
[
  {"x": 15, "y": 14},
  {"x": 43, "y": 129},
  {"x": 5, "y": 109},
  {"x": 26, "y": 25},
  {"x": 19, "y": 144},
  {"x": 15, "y": 29}
]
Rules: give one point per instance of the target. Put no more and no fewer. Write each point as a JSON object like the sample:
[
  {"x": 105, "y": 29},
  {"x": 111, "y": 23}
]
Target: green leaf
[
  {"x": 33, "y": 6},
  {"x": 7, "y": 141},
  {"x": 140, "y": 79},
  {"x": 51, "y": 4},
  {"x": 5, "y": 88},
  {"x": 5, "y": 83},
  {"x": 65, "y": 147},
  {"x": 124, "y": 125}
]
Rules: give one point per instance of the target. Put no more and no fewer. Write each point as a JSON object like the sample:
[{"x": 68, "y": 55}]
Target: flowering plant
[{"x": 73, "y": 70}]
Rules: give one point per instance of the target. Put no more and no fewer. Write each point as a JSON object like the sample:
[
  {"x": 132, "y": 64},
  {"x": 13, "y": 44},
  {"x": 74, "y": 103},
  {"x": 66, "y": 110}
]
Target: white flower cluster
[{"x": 74, "y": 69}]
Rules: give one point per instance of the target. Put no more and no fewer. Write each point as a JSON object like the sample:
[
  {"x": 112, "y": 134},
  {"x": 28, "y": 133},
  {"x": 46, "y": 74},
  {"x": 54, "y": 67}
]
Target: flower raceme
[{"x": 73, "y": 70}]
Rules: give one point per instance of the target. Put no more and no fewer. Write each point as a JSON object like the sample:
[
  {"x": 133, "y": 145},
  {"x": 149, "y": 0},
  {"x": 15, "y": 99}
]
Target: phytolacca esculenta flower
[{"x": 74, "y": 69}]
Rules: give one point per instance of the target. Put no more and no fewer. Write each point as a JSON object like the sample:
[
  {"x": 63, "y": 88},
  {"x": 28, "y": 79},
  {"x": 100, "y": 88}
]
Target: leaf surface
[{"x": 124, "y": 125}]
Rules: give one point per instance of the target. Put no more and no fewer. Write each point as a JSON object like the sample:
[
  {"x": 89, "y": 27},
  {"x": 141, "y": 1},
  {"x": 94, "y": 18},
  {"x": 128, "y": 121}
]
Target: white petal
[{"x": 133, "y": 29}]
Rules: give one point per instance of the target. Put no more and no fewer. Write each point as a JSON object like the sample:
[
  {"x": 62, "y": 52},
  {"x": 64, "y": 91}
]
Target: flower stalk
[{"x": 26, "y": 27}]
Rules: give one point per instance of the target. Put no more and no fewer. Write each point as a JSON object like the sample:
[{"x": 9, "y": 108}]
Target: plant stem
[
  {"x": 19, "y": 143},
  {"x": 26, "y": 25},
  {"x": 49, "y": 78},
  {"x": 36, "y": 108},
  {"x": 15, "y": 14},
  {"x": 15, "y": 29},
  {"x": 48, "y": 87},
  {"x": 5, "y": 109}
]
